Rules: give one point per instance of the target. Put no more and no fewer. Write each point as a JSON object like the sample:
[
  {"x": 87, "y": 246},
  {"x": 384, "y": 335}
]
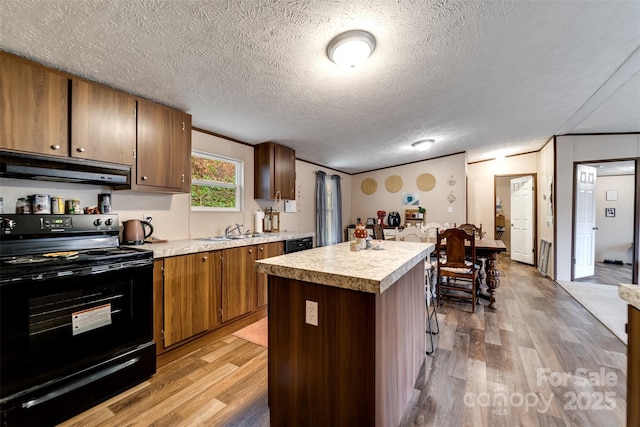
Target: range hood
[{"x": 61, "y": 169}]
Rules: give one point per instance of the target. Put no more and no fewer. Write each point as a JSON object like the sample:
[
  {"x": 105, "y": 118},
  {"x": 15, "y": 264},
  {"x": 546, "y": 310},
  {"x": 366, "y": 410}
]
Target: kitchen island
[{"x": 346, "y": 333}]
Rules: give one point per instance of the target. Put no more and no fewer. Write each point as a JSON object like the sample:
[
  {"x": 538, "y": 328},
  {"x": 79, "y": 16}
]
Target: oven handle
[{"x": 80, "y": 383}]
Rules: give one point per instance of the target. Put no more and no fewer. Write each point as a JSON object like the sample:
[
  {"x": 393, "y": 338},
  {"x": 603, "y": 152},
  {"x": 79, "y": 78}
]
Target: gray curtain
[
  {"x": 337, "y": 210},
  {"x": 322, "y": 233},
  {"x": 328, "y": 210}
]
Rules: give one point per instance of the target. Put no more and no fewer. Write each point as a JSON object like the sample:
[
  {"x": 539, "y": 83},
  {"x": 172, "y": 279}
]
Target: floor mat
[
  {"x": 257, "y": 333},
  {"x": 603, "y": 302}
]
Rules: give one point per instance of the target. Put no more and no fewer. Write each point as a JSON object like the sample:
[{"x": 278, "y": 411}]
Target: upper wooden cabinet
[
  {"x": 103, "y": 123},
  {"x": 164, "y": 149},
  {"x": 34, "y": 108},
  {"x": 275, "y": 172}
]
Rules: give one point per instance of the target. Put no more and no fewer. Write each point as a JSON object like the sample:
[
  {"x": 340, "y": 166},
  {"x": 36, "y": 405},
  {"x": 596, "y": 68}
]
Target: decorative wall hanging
[
  {"x": 426, "y": 182},
  {"x": 452, "y": 181},
  {"x": 410, "y": 199},
  {"x": 369, "y": 186},
  {"x": 393, "y": 184},
  {"x": 451, "y": 198}
]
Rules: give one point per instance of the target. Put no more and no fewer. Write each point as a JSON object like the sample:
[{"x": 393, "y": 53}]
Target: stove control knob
[
  {"x": 97, "y": 222},
  {"x": 108, "y": 222},
  {"x": 7, "y": 224}
]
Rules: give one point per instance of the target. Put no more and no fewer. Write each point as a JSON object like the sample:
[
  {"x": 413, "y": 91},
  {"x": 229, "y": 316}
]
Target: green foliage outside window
[{"x": 214, "y": 182}]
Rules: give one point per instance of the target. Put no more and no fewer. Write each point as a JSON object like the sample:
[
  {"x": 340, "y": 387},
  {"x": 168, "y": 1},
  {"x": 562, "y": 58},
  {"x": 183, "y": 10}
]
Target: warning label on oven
[{"x": 90, "y": 319}]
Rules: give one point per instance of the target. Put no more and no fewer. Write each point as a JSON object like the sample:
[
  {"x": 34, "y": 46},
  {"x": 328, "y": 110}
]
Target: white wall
[
  {"x": 581, "y": 148},
  {"x": 546, "y": 188},
  {"x": 614, "y": 237},
  {"x": 435, "y": 201},
  {"x": 481, "y": 175}
]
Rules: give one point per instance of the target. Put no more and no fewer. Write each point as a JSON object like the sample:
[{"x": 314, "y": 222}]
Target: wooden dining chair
[
  {"x": 414, "y": 234},
  {"x": 469, "y": 228},
  {"x": 457, "y": 276}
]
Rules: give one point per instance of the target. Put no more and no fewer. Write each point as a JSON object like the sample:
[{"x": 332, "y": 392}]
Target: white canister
[{"x": 257, "y": 228}]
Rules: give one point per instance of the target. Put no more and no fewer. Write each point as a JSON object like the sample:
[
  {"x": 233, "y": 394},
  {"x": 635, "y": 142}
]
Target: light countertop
[
  {"x": 368, "y": 270},
  {"x": 630, "y": 293},
  {"x": 191, "y": 246}
]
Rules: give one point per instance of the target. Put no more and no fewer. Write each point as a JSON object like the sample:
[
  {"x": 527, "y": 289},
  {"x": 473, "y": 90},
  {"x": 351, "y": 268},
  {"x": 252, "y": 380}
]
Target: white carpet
[{"x": 603, "y": 302}]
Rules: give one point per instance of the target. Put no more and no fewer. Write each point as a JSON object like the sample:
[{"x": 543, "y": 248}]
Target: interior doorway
[
  {"x": 504, "y": 225},
  {"x": 613, "y": 223}
]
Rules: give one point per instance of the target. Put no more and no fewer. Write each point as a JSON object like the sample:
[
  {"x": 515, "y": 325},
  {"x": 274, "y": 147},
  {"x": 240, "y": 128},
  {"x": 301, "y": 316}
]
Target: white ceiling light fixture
[
  {"x": 423, "y": 145},
  {"x": 351, "y": 48}
]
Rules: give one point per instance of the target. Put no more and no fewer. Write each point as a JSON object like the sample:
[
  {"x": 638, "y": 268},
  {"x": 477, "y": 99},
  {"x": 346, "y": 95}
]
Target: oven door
[{"x": 57, "y": 327}]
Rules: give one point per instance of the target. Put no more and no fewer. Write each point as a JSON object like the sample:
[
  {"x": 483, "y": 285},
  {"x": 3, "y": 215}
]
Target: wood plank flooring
[
  {"x": 538, "y": 360},
  {"x": 609, "y": 274}
]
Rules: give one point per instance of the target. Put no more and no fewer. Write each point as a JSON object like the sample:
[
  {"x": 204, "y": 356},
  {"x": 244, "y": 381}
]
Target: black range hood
[{"x": 61, "y": 169}]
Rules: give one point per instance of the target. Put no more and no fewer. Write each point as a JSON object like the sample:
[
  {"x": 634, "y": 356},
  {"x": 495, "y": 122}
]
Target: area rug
[
  {"x": 603, "y": 302},
  {"x": 257, "y": 333}
]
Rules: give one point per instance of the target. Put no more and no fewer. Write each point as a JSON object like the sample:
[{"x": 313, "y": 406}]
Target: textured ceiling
[{"x": 485, "y": 77}]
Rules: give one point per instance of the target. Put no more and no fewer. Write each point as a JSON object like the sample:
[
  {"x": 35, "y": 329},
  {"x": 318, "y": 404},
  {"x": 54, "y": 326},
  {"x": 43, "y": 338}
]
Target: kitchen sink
[{"x": 215, "y": 239}]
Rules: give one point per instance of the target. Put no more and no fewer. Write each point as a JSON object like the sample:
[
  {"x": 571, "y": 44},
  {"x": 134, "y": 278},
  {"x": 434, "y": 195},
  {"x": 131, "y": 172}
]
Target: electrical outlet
[
  {"x": 311, "y": 310},
  {"x": 147, "y": 217}
]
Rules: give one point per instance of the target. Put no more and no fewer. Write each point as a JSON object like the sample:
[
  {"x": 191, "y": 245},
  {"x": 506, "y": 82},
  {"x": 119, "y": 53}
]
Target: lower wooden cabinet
[
  {"x": 633, "y": 367},
  {"x": 197, "y": 293},
  {"x": 186, "y": 297},
  {"x": 238, "y": 282},
  {"x": 266, "y": 250}
]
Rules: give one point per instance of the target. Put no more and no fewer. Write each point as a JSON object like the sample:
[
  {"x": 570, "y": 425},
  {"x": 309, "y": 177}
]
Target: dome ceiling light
[
  {"x": 423, "y": 145},
  {"x": 351, "y": 48}
]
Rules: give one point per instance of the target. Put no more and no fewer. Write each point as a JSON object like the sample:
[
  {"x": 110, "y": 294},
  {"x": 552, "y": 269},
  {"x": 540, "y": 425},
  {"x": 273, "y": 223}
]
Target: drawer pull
[
  {"x": 80, "y": 150},
  {"x": 55, "y": 147}
]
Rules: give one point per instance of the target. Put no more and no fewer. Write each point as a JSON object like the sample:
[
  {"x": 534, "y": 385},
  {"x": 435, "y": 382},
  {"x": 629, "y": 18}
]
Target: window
[{"x": 216, "y": 182}]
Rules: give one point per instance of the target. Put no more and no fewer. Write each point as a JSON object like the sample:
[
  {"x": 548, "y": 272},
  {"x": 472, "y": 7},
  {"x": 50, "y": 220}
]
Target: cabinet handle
[
  {"x": 80, "y": 150},
  {"x": 250, "y": 251},
  {"x": 144, "y": 178},
  {"x": 183, "y": 178},
  {"x": 204, "y": 258},
  {"x": 183, "y": 126},
  {"x": 55, "y": 147},
  {"x": 261, "y": 248}
]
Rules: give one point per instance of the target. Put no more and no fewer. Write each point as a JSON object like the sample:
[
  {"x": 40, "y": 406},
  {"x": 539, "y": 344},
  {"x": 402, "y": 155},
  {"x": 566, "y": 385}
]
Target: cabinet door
[
  {"x": 285, "y": 172},
  {"x": 186, "y": 296},
  {"x": 34, "y": 108},
  {"x": 267, "y": 250},
  {"x": 163, "y": 156},
  {"x": 103, "y": 123},
  {"x": 238, "y": 282},
  {"x": 158, "y": 303},
  {"x": 215, "y": 301}
]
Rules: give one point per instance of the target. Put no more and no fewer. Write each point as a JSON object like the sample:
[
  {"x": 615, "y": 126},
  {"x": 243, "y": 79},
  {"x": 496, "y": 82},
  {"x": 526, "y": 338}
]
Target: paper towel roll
[{"x": 257, "y": 228}]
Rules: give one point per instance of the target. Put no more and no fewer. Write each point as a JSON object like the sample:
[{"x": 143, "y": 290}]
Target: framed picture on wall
[
  {"x": 610, "y": 212},
  {"x": 371, "y": 221}
]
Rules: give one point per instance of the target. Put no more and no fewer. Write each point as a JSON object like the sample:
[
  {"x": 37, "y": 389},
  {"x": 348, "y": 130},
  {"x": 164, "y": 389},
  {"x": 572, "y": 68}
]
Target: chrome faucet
[{"x": 229, "y": 230}]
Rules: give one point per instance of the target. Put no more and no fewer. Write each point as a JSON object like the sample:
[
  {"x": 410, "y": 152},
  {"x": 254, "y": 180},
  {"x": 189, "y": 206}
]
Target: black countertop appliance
[{"x": 393, "y": 219}]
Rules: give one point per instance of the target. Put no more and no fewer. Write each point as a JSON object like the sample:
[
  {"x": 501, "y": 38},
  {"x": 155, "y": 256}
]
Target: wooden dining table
[{"x": 489, "y": 249}]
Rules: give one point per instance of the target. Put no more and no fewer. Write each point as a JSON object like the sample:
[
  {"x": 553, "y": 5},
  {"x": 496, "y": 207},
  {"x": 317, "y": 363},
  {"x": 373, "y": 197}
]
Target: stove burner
[
  {"x": 107, "y": 251},
  {"x": 25, "y": 260}
]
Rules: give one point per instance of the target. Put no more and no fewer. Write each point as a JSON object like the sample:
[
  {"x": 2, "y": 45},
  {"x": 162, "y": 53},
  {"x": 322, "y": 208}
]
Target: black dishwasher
[{"x": 297, "y": 245}]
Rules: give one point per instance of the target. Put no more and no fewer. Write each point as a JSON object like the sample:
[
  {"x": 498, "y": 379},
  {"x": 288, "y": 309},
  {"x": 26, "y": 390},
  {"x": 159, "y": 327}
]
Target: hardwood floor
[
  {"x": 540, "y": 359},
  {"x": 609, "y": 274}
]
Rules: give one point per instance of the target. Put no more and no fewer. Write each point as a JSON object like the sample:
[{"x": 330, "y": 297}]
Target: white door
[
  {"x": 522, "y": 227},
  {"x": 585, "y": 244}
]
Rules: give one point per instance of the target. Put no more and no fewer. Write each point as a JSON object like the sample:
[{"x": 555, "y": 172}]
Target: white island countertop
[
  {"x": 630, "y": 293},
  {"x": 368, "y": 270}
]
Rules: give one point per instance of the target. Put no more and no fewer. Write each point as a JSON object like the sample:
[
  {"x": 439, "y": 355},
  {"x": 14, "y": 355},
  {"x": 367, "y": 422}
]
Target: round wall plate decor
[
  {"x": 393, "y": 184},
  {"x": 369, "y": 186},
  {"x": 426, "y": 182}
]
